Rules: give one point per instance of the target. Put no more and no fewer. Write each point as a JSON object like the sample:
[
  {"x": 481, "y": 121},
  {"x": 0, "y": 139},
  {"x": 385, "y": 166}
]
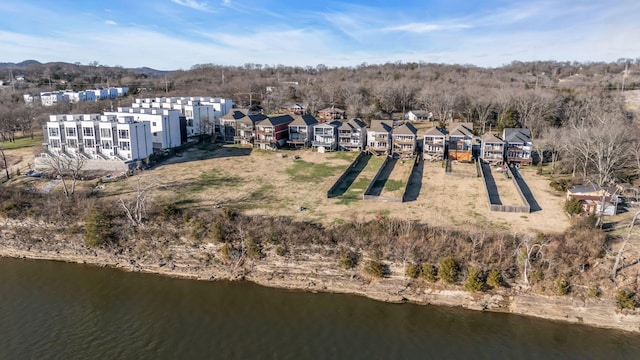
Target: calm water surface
[{"x": 52, "y": 310}]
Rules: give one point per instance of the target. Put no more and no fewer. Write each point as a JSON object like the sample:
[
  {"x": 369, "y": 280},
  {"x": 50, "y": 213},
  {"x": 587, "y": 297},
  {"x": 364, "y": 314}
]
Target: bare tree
[
  {"x": 4, "y": 159},
  {"x": 527, "y": 251},
  {"x": 136, "y": 208},
  {"x": 619, "y": 256},
  {"x": 68, "y": 168}
]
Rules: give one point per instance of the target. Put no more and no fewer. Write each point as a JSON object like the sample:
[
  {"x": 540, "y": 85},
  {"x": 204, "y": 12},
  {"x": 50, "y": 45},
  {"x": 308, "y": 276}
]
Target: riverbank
[{"x": 309, "y": 270}]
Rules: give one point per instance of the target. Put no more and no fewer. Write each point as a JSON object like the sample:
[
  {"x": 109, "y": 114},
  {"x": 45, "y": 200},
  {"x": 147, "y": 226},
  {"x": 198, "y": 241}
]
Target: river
[{"x": 51, "y": 310}]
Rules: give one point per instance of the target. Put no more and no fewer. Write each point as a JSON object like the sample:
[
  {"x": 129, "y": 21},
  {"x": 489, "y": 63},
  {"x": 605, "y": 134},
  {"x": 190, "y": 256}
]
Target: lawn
[
  {"x": 23, "y": 142},
  {"x": 303, "y": 171}
]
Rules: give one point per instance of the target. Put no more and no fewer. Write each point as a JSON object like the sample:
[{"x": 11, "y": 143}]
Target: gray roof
[
  {"x": 332, "y": 124},
  {"x": 516, "y": 135},
  {"x": 277, "y": 120},
  {"x": 353, "y": 124},
  {"x": 489, "y": 138},
  {"x": 240, "y": 114},
  {"x": 435, "y": 131},
  {"x": 590, "y": 188},
  {"x": 381, "y": 126},
  {"x": 461, "y": 129},
  {"x": 405, "y": 129},
  {"x": 301, "y": 120}
]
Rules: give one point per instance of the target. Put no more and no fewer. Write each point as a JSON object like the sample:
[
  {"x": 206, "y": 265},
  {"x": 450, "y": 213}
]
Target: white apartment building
[
  {"x": 97, "y": 136},
  {"x": 201, "y": 113},
  {"x": 51, "y": 98},
  {"x": 165, "y": 126}
]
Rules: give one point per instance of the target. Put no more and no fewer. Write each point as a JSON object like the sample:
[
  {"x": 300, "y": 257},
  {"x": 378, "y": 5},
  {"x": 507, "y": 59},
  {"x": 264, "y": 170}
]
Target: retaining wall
[{"x": 331, "y": 192}]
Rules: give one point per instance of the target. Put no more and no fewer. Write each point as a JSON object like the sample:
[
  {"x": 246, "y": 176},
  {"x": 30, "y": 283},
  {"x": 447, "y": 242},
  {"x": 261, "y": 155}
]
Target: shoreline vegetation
[{"x": 385, "y": 259}]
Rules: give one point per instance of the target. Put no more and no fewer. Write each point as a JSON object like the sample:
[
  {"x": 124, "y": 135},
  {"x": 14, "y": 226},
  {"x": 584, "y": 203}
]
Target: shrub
[
  {"x": 494, "y": 279},
  {"x": 573, "y": 206},
  {"x": 348, "y": 259},
  {"x": 169, "y": 210},
  {"x": 475, "y": 280},
  {"x": 625, "y": 299},
  {"x": 584, "y": 222},
  {"x": 374, "y": 268},
  {"x": 561, "y": 184},
  {"x": 594, "y": 291},
  {"x": 412, "y": 271},
  {"x": 226, "y": 250},
  {"x": 254, "y": 249},
  {"x": 281, "y": 250},
  {"x": 429, "y": 272},
  {"x": 448, "y": 270},
  {"x": 561, "y": 286},
  {"x": 215, "y": 233},
  {"x": 98, "y": 228}
]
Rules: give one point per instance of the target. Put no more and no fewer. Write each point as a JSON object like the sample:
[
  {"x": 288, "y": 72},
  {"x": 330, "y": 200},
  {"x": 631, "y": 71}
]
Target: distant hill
[{"x": 31, "y": 64}]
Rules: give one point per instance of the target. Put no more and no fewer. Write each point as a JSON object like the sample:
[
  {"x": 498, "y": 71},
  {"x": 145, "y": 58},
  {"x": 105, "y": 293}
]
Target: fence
[
  {"x": 332, "y": 191},
  {"x": 368, "y": 193},
  {"x": 504, "y": 208}
]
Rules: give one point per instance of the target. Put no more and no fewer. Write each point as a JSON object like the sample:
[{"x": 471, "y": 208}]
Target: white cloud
[
  {"x": 425, "y": 27},
  {"x": 193, "y": 4},
  {"x": 110, "y": 22}
]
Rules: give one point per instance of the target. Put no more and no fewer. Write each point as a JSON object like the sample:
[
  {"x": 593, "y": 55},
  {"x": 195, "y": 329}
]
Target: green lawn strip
[
  {"x": 303, "y": 171},
  {"x": 23, "y": 142}
]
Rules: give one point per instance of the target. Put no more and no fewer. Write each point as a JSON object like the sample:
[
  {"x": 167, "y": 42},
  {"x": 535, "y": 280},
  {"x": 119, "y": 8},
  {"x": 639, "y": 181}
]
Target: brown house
[
  {"x": 272, "y": 133},
  {"x": 331, "y": 113}
]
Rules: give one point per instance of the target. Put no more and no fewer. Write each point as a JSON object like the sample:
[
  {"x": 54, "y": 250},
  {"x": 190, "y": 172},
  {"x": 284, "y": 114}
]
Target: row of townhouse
[
  {"x": 96, "y": 136},
  {"x": 202, "y": 113},
  {"x": 149, "y": 125},
  {"x": 245, "y": 127},
  {"x": 460, "y": 143},
  {"x": 50, "y": 98}
]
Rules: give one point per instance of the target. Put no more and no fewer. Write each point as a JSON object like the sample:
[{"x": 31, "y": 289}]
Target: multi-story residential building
[
  {"x": 93, "y": 136},
  {"x": 379, "y": 137},
  {"x": 201, "y": 113},
  {"x": 461, "y": 142},
  {"x": 518, "y": 145},
  {"x": 272, "y": 133},
  {"x": 238, "y": 126},
  {"x": 31, "y": 98},
  {"x": 301, "y": 130},
  {"x": 404, "y": 140},
  {"x": 492, "y": 148},
  {"x": 325, "y": 136},
  {"x": 53, "y": 98},
  {"x": 352, "y": 135},
  {"x": 167, "y": 131},
  {"x": 434, "y": 143}
]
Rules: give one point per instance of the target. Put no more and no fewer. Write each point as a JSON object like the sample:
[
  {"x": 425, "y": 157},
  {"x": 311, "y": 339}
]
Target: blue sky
[{"x": 176, "y": 34}]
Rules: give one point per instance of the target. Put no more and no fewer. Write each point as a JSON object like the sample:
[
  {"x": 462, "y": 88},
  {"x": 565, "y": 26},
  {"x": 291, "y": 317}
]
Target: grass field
[
  {"x": 23, "y": 142},
  {"x": 280, "y": 183}
]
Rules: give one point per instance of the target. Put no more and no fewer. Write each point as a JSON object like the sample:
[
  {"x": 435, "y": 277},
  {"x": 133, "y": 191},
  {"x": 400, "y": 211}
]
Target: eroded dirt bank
[{"x": 309, "y": 270}]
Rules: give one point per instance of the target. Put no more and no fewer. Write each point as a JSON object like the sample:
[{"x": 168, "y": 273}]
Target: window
[
  {"x": 73, "y": 143},
  {"x": 105, "y": 133},
  {"x": 87, "y": 131},
  {"x": 153, "y": 123},
  {"x": 123, "y": 134},
  {"x": 55, "y": 143},
  {"x": 89, "y": 143},
  {"x": 124, "y": 145},
  {"x": 106, "y": 144},
  {"x": 71, "y": 131},
  {"x": 54, "y": 131}
]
